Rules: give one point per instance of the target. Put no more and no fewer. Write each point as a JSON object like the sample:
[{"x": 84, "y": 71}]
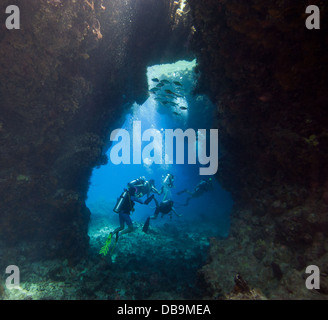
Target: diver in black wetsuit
[
  {"x": 202, "y": 187},
  {"x": 165, "y": 207}
]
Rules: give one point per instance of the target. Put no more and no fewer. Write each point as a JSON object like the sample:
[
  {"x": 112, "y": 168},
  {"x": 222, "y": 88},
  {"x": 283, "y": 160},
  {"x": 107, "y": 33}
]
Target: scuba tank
[
  {"x": 139, "y": 184},
  {"x": 120, "y": 201},
  {"x": 168, "y": 180},
  {"x": 134, "y": 183}
]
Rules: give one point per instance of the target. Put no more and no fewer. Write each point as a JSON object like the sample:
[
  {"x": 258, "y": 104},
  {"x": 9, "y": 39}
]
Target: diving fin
[
  {"x": 146, "y": 225},
  {"x": 104, "y": 250}
]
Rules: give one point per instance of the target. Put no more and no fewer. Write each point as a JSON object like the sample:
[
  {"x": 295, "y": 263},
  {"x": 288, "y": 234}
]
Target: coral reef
[
  {"x": 272, "y": 269},
  {"x": 159, "y": 265},
  {"x": 267, "y": 74},
  {"x": 42, "y": 92},
  {"x": 72, "y": 69},
  {"x": 76, "y": 66}
]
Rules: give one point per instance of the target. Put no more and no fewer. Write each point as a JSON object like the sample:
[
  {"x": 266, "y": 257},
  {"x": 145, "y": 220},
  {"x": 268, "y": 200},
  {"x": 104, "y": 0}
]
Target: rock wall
[
  {"x": 74, "y": 68},
  {"x": 267, "y": 74},
  {"x": 66, "y": 76}
]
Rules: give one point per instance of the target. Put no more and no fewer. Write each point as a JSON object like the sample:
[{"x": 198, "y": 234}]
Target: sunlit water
[{"x": 210, "y": 211}]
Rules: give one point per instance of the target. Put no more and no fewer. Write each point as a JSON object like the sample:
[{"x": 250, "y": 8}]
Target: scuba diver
[
  {"x": 167, "y": 184},
  {"x": 124, "y": 207},
  {"x": 202, "y": 187},
  {"x": 165, "y": 207},
  {"x": 144, "y": 187}
]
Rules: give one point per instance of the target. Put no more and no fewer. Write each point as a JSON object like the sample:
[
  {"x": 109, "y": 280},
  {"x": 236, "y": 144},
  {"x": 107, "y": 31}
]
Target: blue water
[{"x": 107, "y": 182}]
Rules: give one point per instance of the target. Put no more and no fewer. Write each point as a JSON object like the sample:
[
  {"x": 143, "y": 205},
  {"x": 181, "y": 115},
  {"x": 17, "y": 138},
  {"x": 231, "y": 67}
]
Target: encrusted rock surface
[
  {"x": 267, "y": 74},
  {"x": 159, "y": 265},
  {"x": 75, "y": 66},
  {"x": 66, "y": 76}
]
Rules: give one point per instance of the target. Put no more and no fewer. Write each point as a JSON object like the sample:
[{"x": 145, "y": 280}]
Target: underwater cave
[
  {"x": 98, "y": 93},
  {"x": 206, "y": 215},
  {"x": 171, "y": 105}
]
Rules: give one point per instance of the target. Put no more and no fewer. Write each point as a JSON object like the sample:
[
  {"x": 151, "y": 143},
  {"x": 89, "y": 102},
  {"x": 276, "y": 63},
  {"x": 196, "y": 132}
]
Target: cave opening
[
  {"x": 171, "y": 104},
  {"x": 77, "y": 70}
]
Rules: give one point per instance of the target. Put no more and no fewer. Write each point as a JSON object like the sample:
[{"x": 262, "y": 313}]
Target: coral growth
[
  {"x": 66, "y": 76},
  {"x": 132, "y": 272},
  {"x": 267, "y": 75}
]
